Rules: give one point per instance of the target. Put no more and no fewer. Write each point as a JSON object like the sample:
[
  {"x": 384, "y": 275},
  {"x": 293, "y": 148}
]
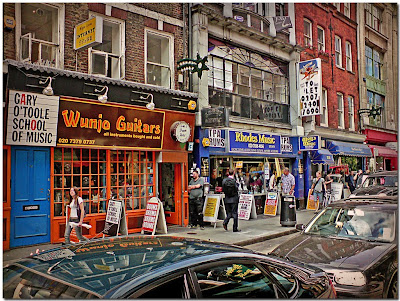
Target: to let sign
[
  {"x": 310, "y": 81},
  {"x": 32, "y": 119}
]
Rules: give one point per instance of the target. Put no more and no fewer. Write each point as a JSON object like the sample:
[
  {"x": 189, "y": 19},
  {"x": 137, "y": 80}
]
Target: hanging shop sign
[
  {"x": 32, "y": 119},
  {"x": 91, "y": 124},
  {"x": 214, "y": 117},
  {"x": 254, "y": 143},
  {"x": 89, "y": 33},
  {"x": 309, "y": 143},
  {"x": 180, "y": 131},
  {"x": 310, "y": 81},
  {"x": 286, "y": 146}
]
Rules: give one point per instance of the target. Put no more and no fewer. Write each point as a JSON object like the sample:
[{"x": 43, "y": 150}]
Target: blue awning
[
  {"x": 321, "y": 156},
  {"x": 348, "y": 149}
]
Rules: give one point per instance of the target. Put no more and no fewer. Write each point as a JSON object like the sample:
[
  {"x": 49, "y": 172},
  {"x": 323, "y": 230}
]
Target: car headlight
[{"x": 349, "y": 278}]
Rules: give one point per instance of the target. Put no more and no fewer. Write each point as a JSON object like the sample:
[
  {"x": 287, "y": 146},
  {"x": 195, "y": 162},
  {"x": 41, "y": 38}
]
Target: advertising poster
[
  {"x": 311, "y": 203},
  {"x": 247, "y": 207},
  {"x": 310, "y": 81},
  {"x": 210, "y": 212},
  {"x": 337, "y": 190},
  {"x": 115, "y": 212},
  {"x": 271, "y": 204},
  {"x": 151, "y": 216}
]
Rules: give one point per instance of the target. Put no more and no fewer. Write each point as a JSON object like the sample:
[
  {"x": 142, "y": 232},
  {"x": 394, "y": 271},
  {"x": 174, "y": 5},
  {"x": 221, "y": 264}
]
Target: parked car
[
  {"x": 384, "y": 182},
  {"x": 160, "y": 267},
  {"x": 355, "y": 241}
]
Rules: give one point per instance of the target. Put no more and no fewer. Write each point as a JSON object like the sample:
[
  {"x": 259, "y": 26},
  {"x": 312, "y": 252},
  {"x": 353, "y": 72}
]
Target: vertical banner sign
[
  {"x": 32, "y": 119},
  {"x": 247, "y": 207},
  {"x": 310, "y": 82},
  {"x": 271, "y": 204},
  {"x": 113, "y": 218}
]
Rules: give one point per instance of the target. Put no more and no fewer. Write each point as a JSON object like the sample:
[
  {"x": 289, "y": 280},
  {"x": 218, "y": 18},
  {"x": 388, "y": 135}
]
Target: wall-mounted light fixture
[
  {"x": 151, "y": 104},
  {"x": 48, "y": 90},
  {"x": 102, "y": 97}
]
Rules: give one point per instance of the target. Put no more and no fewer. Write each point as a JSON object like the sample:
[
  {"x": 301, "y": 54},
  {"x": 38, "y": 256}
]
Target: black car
[
  {"x": 355, "y": 241},
  {"x": 160, "y": 267},
  {"x": 379, "y": 183}
]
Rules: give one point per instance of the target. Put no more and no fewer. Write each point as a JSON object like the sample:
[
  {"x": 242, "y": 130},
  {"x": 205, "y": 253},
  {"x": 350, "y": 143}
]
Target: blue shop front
[{"x": 254, "y": 155}]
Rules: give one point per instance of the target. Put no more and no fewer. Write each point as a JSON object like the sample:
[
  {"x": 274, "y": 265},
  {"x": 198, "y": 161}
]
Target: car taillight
[{"x": 333, "y": 287}]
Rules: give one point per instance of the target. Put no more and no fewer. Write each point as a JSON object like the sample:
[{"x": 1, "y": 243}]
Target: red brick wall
[
  {"x": 334, "y": 79},
  {"x": 9, "y": 36}
]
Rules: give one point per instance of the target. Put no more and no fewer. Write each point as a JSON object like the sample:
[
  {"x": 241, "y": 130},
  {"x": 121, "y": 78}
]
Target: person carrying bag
[
  {"x": 317, "y": 188},
  {"x": 77, "y": 215}
]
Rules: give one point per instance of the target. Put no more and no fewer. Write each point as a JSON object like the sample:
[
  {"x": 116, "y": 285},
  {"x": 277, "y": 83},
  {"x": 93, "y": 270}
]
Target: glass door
[{"x": 170, "y": 191}]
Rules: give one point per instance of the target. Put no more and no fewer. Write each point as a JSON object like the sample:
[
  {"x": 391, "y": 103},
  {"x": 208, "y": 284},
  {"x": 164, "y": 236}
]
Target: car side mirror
[{"x": 300, "y": 227}]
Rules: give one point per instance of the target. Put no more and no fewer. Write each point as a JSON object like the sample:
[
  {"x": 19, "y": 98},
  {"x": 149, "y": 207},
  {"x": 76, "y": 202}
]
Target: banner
[
  {"x": 310, "y": 82},
  {"x": 271, "y": 204}
]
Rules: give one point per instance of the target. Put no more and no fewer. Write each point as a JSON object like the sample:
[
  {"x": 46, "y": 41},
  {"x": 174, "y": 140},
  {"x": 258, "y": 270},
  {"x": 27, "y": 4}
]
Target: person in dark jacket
[{"x": 231, "y": 201}]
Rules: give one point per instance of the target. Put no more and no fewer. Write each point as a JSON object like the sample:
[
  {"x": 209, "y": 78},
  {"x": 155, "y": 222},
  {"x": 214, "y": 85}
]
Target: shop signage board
[
  {"x": 286, "y": 146},
  {"x": 337, "y": 190},
  {"x": 216, "y": 139},
  {"x": 311, "y": 203},
  {"x": 310, "y": 82},
  {"x": 247, "y": 207},
  {"x": 309, "y": 143},
  {"x": 205, "y": 166},
  {"x": 93, "y": 124},
  {"x": 213, "y": 209},
  {"x": 154, "y": 217},
  {"x": 271, "y": 203},
  {"x": 88, "y": 33},
  {"x": 254, "y": 143},
  {"x": 214, "y": 117},
  {"x": 32, "y": 119},
  {"x": 115, "y": 219}
]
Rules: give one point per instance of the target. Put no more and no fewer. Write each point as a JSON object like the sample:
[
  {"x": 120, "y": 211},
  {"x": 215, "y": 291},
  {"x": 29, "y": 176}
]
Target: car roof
[{"x": 377, "y": 200}]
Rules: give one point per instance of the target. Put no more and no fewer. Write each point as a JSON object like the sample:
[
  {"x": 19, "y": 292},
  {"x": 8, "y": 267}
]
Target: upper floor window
[
  {"x": 324, "y": 108},
  {"x": 349, "y": 61},
  {"x": 159, "y": 58},
  {"x": 346, "y": 9},
  {"x": 321, "y": 38},
  {"x": 39, "y": 34},
  {"x": 374, "y": 101},
  {"x": 373, "y": 17},
  {"x": 337, "y": 5},
  {"x": 307, "y": 33},
  {"x": 338, "y": 51},
  {"x": 279, "y": 9},
  {"x": 107, "y": 58},
  {"x": 351, "y": 113},
  {"x": 340, "y": 111},
  {"x": 373, "y": 62}
]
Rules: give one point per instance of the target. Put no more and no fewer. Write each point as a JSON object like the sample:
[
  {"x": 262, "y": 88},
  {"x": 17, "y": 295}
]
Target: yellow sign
[
  {"x": 210, "y": 207},
  {"x": 88, "y": 33},
  {"x": 239, "y": 164},
  {"x": 311, "y": 203},
  {"x": 206, "y": 142}
]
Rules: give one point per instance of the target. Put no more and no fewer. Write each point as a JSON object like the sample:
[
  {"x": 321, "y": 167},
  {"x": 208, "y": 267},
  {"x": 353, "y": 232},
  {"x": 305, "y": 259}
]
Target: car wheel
[{"x": 393, "y": 290}]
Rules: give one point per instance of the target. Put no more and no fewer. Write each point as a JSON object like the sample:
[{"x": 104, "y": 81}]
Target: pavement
[{"x": 252, "y": 231}]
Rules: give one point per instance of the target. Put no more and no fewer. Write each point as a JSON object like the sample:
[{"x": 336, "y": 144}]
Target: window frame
[
  {"x": 373, "y": 62},
  {"x": 349, "y": 59},
  {"x": 322, "y": 44},
  {"x": 171, "y": 60},
  {"x": 351, "y": 104},
  {"x": 340, "y": 102},
  {"x": 305, "y": 36},
  {"x": 324, "y": 120},
  {"x": 121, "y": 56},
  {"x": 373, "y": 17},
  {"x": 338, "y": 52},
  {"x": 379, "y": 121},
  {"x": 347, "y": 9}
]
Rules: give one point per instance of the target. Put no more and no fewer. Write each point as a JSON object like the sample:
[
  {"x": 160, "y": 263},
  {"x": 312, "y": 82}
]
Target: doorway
[{"x": 170, "y": 191}]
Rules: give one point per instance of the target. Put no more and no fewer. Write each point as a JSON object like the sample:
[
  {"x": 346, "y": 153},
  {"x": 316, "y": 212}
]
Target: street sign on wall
[{"x": 310, "y": 86}]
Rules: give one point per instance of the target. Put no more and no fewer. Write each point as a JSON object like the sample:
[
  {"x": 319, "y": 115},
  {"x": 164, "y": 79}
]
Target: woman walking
[{"x": 77, "y": 215}]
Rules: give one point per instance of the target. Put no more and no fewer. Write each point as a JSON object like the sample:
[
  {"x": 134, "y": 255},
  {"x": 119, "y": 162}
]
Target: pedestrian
[
  {"x": 358, "y": 178},
  {"x": 349, "y": 181},
  {"x": 77, "y": 214},
  {"x": 215, "y": 180},
  {"x": 317, "y": 187},
  {"x": 288, "y": 182},
  {"x": 240, "y": 181},
  {"x": 272, "y": 181},
  {"x": 231, "y": 200},
  {"x": 196, "y": 201}
]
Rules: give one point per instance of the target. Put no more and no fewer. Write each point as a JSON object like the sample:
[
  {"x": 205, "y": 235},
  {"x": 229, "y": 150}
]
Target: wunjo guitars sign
[
  {"x": 259, "y": 143},
  {"x": 90, "y": 124}
]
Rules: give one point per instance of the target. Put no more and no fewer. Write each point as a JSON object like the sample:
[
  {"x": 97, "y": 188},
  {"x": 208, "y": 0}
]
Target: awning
[
  {"x": 348, "y": 149},
  {"x": 383, "y": 151},
  {"x": 321, "y": 156}
]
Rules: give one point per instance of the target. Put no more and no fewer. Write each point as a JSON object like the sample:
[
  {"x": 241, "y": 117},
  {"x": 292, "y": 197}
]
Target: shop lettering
[
  {"x": 137, "y": 126},
  {"x": 24, "y": 99},
  {"x": 308, "y": 141},
  {"x": 261, "y": 138}
]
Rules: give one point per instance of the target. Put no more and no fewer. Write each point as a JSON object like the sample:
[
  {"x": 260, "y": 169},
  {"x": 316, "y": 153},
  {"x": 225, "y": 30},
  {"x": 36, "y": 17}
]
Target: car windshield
[
  {"x": 359, "y": 222},
  {"x": 386, "y": 181}
]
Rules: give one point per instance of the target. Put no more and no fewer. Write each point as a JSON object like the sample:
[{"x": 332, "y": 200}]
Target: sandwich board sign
[
  {"x": 115, "y": 219},
  {"x": 247, "y": 207},
  {"x": 214, "y": 209},
  {"x": 154, "y": 217},
  {"x": 337, "y": 190},
  {"x": 311, "y": 203},
  {"x": 271, "y": 204}
]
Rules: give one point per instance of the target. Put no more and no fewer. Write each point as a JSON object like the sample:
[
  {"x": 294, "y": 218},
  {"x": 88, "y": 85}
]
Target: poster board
[
  {"x": 154, "y": 217},
  {"x": 115, "y": 219},
  {"x": 247, "y": 207},
  {"x": 271, "y": 203},
  {"x": 337, "y": 190},
  {"x": 311, "y": 203},
  {"x": 213, "y": 209}
]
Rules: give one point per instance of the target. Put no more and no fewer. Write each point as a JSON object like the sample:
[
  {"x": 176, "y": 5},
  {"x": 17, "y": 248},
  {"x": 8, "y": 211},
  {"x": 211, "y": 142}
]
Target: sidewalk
[{"x": 252, "y": 231}]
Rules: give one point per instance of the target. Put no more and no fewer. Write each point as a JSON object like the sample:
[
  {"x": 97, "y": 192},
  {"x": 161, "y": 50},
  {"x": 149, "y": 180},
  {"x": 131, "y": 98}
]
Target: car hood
[
  {"x": 375, "y": 190},
  {"x": 327, "y": 252}
]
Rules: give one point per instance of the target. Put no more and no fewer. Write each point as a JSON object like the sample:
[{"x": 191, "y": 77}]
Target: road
[{"x": 268, "y": 245}]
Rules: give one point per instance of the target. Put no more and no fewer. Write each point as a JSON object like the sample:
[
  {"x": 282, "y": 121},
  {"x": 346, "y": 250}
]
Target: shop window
[
  {"x": 351, "y": 113},
  {"x": 324, "y": 108},
  {"x": 340, "y": 111},
  {"x": 40, "y": 33},
  {"x": 107, "y": 58},
  {"x": 307, "y": 33},
  {"x": 321, "y": 38},
  {"x": 373, "y": 17},
  {"x": 349, "y": 61},
  {"x": 338, "y": 51},
  {"x": 159, "y": 59},
  {"x": 373, "y": 62}
]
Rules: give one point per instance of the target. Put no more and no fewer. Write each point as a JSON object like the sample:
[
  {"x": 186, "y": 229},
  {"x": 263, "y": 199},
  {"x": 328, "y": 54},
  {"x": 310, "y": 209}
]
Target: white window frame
[
  {"x": 121, "y": 56},
  {"x": 338, "y": 52},
  {"x": 321, "y": 44},
  {"x": 346, "y": 10},
  {"x": 350, "y": 100},
  {"x": 59, "y": 63},
  {"x": 349, "y": 60},
  {"x": 309, "y": 36},
  {"x": 337, "y": 5},
  {"x": 340, "y": 103},
  {"x": 171, "y": 53},
  {"x": 324, "y": 108}
]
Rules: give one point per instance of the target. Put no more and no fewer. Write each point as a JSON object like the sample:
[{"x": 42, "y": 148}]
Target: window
[
  {"x": 279, "y": 9},
  {"x": 340, "y": 111},
  {"x": 159, "y": 59},
  {"x": 374, "y": 101},
  {"x": 307, "y": 33},
  {"x": 351, "y": 113},
  {"x": 349, "y": 62},
  {"x": 373, "y": 17},
  {"x": 107, "y": 58},
  {"x": 373, "y": 62},
  {"x": 324, "y": 108},
  {"x": 338, "y": 51},
  {"x": 321, "y": 38},
  {"x": 337, "y": 5},
  {"x": 346, "y": 9},
  {"x": 39, "y": 33}
]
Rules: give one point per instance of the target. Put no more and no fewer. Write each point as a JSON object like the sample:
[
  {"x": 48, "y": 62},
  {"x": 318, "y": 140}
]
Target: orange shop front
[{"x": 123, "y": 152}]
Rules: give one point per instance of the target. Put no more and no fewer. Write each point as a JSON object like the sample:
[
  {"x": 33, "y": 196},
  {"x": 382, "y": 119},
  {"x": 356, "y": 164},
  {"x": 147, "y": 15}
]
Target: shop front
[{"x": 384, "y": 149}]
